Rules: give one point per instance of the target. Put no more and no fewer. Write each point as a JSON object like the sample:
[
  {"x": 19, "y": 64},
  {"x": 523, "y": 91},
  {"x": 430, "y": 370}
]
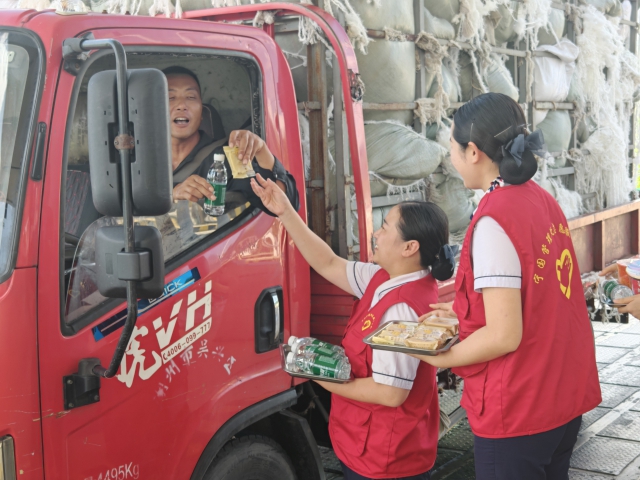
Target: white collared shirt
[
  {"x": 495, "y": 259},
  {"x": 389, "y": 368}
]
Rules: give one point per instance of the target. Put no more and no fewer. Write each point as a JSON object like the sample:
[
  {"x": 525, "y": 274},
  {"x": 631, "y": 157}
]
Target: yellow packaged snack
[
  {"x": 238, "y": 169},
  {"x": 449, "y": 324},
  {"x": 425, "y": 343}
]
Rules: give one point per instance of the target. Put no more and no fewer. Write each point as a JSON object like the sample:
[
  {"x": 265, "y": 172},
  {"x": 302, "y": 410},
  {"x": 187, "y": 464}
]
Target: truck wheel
[{"x": 253, "y": 457}]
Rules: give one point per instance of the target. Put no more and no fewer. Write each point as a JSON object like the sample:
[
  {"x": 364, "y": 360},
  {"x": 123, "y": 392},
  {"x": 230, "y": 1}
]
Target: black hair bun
[
  {"x": 513, "y": 174},
  {"x": 445, "y": 264}
]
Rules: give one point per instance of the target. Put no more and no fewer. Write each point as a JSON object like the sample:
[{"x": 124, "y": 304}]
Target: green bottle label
[
  {"x": 325, "y": 366},
  {"x": 219, "y": 191},
  {"x": 608, "y": 286},
  {"x": 320, "y": 350}
]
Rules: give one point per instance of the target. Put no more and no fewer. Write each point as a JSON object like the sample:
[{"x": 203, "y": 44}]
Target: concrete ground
[{"x": 608, "y": 446}]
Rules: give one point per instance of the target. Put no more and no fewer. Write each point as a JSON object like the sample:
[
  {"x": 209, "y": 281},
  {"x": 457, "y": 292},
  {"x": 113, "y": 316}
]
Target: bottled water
[
  {"x": 217, "y": 178},
  {"x": 321, "y": 365},
  {"x": 313, "y": 345}
]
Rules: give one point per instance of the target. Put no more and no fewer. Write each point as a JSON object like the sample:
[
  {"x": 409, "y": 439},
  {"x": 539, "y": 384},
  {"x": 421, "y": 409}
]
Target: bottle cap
[
  {"x": 292, "y": 340},
  {"x": 290, "y": 358},
  {"x": 218, "y": 157}
]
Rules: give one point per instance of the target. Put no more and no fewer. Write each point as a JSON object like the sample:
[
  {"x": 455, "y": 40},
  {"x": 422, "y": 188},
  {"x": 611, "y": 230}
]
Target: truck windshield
[{"x": 18, "y": 65}]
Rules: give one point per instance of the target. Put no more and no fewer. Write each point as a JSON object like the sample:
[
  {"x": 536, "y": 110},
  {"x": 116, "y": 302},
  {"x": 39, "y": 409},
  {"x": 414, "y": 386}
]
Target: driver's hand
[
  {"x": 440, "y": 310},
  {"x": 193, "y": 189},
  {"x": 250, "y": 146}
]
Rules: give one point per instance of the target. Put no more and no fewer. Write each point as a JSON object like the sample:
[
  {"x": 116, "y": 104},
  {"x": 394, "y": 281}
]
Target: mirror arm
[{"x": 124, "y": 144}]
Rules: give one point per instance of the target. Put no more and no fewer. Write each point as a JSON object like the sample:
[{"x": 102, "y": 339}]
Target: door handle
[
  {"x": 269, "y": 319},
  {"x": 276, "y": 310}
]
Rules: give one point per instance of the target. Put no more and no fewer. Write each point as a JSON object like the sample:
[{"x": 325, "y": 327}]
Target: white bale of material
[
  {"x": 570, "y": 201},
  {"x": 396, "y": 151},
  {"x": 438, "y": 27},
  {"x": 505, "y": 30},
  {"x": 624, "y": 30},
  {"x": 553, "y": 75},
  {"x": 554, "y": 31},
  {"x": 395, "y": 14},
  {"x": 449, "y": 83},
  {"x": 381, "y": 186},
  {"x": 388, "y": 72},
  {"x": 556, "y": 128},
  {"x": 498, "y": 79},
  {"x": 612, "y": 8},
  {"x": 432, "y": 130},
  {"x": 447, "y": 9},
  {"x": 469, "y": 84},
  {"x": 455, "y": 199}
]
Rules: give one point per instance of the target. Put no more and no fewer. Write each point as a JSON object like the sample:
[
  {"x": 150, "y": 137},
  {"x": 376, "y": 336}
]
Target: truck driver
[{"x": 193, "y": 149}]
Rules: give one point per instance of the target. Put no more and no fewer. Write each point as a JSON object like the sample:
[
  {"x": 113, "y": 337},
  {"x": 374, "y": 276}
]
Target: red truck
[{"x": 193, "y": 385}]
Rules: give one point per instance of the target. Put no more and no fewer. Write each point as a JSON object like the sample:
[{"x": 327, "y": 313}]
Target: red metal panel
[{"x": 19, "y": 392}]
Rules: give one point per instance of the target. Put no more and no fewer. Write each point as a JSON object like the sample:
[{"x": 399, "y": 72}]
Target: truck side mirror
[
  {"x": 151, "y": 172},
  {"x": 148, "y": 181}
]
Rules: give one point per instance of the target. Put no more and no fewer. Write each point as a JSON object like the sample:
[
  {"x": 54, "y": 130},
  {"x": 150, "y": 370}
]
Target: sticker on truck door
[
  {"x": 116, "y": 322},
  {"x": 145, "y": 362}
]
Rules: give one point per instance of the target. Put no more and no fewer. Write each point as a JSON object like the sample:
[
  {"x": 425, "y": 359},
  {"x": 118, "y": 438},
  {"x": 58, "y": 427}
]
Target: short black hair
[{"x": 177, "y": 70}]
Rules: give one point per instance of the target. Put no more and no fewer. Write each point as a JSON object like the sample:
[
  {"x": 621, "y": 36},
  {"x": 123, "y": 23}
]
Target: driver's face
[{"x": 185, "y": 106}]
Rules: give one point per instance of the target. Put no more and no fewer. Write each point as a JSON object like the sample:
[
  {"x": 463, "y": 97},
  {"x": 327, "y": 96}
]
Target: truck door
[{"x": 207, "y": 348}]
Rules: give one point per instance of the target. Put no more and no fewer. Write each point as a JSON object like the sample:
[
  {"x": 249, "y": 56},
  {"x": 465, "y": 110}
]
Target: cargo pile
[{"x": 568, "y": 65}]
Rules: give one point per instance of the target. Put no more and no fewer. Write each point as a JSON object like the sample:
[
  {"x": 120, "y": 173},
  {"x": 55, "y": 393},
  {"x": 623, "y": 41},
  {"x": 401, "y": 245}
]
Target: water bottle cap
[
  {"x": 292, "y": 340},
  {"x": 218, "y": 157},
  {"x": 290, "y": 358}
]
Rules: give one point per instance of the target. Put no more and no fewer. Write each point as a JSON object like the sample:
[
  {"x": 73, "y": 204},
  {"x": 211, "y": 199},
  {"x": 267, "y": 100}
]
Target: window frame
[
  {"x": 257, "y": 116},
  {"x": 25, "y": 136}
]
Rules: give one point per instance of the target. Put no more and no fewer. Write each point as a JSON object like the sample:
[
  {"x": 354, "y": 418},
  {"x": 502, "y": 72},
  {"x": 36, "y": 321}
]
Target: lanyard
[{"x": 497, "y": 183}]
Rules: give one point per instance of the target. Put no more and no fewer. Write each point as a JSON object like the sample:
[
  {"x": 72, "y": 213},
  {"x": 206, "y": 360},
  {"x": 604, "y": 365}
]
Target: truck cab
[{"x": 200, "y": 389}]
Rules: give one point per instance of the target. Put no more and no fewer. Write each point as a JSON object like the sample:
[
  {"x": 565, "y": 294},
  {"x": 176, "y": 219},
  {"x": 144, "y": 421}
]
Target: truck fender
[{"x": 239, "y": 422}]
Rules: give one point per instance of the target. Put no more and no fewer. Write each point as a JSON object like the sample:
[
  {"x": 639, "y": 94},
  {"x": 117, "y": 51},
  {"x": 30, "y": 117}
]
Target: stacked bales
[{"x": 597, "y": 72}]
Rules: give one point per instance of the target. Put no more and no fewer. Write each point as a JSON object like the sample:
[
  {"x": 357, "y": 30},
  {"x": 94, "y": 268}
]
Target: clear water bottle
[
  {"x": 313, "y": 345},
  {"x": 217, "y": 178},
  {"x": 320, "y": 365}
]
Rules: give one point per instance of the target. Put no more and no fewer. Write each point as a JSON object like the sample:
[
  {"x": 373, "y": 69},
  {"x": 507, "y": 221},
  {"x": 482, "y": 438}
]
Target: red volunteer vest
[
  {"x": 377, "y": 441},
  {"x": 552, "y": 377}
]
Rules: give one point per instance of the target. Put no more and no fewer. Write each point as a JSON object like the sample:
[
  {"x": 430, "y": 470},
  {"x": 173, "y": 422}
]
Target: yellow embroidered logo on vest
[
  {"x": 565, "y": 262},
  {"x": 367, "y": 321}
]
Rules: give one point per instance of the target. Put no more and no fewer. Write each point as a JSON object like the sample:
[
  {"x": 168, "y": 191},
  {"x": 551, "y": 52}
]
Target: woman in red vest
[
  {"x": 384, "y": 424},
  {"x": 527, "y": 353}
]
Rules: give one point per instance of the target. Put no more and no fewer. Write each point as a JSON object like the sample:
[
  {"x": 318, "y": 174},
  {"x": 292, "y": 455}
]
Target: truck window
[
  {"x": 230, "y": 93},
  {"x": 19, "y": 70}
]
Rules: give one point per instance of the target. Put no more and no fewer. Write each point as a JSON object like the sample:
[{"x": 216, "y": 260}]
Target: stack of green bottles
[{"x": 314, "y": 357}]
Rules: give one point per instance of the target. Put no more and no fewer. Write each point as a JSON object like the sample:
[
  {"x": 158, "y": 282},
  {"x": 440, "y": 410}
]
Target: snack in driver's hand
[
  {"x": 238, "y": 169},
  {"x": 450, "y": 324}
]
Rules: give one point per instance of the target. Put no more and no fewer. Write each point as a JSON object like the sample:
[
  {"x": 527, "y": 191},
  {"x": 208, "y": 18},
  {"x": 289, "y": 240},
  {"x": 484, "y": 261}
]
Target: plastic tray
[
  {"x": 285, "y": 349},
  {"x": 403, "y": 349}
]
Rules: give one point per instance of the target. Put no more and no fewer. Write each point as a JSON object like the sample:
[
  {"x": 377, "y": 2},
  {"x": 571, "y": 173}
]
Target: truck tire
[{"x": 252, "y": 457}]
